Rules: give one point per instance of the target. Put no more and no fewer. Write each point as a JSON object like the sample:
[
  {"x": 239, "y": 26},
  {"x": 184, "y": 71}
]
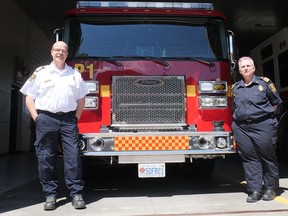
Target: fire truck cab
[
  {"x": 159, "y": 75},
  {"x": 271, "y": 60}
]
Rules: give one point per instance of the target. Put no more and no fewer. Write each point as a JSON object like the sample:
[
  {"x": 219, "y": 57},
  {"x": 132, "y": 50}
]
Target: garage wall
[{"x": 22, "y": 46}]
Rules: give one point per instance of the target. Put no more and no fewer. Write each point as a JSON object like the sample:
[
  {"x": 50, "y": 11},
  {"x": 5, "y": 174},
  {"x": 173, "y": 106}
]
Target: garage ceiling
[{"x": 252, "y": 21}]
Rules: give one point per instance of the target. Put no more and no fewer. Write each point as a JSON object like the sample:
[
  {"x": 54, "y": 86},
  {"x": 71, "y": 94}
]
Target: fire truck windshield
[{"x": 106, "y": 37}]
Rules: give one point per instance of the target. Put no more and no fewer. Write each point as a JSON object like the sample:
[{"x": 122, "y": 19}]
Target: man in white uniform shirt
[{"x": 55, "y": 98}]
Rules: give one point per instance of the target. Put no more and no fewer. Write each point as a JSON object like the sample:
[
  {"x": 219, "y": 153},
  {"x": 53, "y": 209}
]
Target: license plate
[{"x": 153, "y": 170}]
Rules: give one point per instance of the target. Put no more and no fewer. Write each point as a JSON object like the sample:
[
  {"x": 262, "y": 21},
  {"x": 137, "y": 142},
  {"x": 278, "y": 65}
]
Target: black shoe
[
  {"x": 78, "y": 202},
  {"x": 50, "y": 204},
  {"x": 254, "y": 197},
  {"x": 269, "y": 195}
]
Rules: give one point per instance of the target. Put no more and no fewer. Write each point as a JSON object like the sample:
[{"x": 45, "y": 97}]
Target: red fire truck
[
  {"x": 271, "y": 60},
  {"x": 159, "y": 75}
]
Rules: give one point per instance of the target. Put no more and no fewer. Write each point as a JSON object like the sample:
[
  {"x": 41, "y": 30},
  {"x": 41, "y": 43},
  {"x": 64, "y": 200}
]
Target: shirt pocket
[
  {"x": 73, "y": 82},
  {"x": 258, "y": 97},
  {"x": 46, "y": 86},
  {"x": 73, "y": 87}
]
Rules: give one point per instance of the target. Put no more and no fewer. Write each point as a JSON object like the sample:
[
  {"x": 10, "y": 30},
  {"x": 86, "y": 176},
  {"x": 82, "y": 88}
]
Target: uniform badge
[
  {"x": 272, "y": 87},
  {"x": 32, "y": 77},
  {"x": 260, "y": 88}
]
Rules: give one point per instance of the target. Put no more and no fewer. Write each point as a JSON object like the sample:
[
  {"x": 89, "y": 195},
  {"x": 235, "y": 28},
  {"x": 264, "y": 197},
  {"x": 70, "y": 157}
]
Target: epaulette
[
  {"x": 33, "y": 76},
  {"x": 234, "y": 85},
  {"x": 76, "y": 69},
  {"x": 266, "y": 79},
  {"x": 39, "y": 68}
]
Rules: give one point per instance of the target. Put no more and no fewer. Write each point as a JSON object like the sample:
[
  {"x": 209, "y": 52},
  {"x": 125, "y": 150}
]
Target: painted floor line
[{"x": 281, "y": 200}]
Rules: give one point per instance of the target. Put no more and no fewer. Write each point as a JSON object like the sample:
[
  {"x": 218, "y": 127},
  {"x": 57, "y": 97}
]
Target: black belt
[
  {"x": 260, "y": 119},
  {"x": 57, "y": 113}
]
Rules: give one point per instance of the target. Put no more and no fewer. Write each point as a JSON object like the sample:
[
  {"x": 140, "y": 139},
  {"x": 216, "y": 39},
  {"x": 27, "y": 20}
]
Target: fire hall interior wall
[{"x": 23, "y": 48}]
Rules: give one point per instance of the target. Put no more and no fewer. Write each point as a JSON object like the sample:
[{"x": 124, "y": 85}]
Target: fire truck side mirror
[
  {"x": 232, "y": 49},
  {"x": 58, "y": 33}
]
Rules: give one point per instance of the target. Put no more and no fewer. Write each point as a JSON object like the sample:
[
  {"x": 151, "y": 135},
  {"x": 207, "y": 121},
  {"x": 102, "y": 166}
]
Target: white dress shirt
[{"x": 55, "y": 90}]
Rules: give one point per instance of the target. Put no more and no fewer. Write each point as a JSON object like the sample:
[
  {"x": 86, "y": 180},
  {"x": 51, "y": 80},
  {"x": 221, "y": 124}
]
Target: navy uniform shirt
[{"x": 255, "y": 100}]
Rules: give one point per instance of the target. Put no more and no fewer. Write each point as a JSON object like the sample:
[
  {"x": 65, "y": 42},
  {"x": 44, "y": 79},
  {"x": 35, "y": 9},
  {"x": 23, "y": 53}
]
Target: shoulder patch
[
  {"x": 266, "y": 79},
  {"x": 272, "y": 87},
  {"x": 32, "y": 77}
]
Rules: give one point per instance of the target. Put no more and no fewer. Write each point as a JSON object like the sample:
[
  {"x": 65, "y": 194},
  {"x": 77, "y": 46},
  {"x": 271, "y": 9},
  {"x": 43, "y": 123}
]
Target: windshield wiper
[
  {"x": 119, "y": 64},
  {"x": 209, "y": 63},
  {"x": 111, "y": 61}
]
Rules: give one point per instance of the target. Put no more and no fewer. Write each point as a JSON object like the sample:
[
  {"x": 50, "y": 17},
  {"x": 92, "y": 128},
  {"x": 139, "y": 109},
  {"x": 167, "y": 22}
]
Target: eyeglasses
[{"x": 60, "y": 50}]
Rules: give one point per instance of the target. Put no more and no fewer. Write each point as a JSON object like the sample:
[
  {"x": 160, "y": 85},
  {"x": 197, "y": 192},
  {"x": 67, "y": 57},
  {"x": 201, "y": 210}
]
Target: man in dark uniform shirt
[{"x": 255, "y": 130}]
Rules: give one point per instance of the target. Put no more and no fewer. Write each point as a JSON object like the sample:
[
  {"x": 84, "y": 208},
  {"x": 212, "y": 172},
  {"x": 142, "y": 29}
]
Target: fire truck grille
[{"x": 148, "y": 100}]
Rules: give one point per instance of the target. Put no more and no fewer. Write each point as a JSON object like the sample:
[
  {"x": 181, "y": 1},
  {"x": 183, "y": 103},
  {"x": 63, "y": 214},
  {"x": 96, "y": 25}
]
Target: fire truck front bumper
[{"x": 171, "y": 146}]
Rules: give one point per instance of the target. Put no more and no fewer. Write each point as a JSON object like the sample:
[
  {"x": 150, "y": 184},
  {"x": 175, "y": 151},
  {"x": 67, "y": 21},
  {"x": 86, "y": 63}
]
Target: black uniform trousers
[
  {"x": 256, "y": 143},
  {"x": 50, "y": 130}
]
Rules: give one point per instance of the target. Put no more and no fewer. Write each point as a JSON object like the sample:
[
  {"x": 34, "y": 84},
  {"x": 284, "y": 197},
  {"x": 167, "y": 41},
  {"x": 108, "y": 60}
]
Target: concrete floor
[
  {"x": 118, "y": 192},
  {"x": 17, "y": 170}
]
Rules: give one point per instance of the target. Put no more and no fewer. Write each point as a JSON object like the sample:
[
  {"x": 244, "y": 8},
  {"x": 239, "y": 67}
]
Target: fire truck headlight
[
  {"x": 220, "y": 102},
  {"x": 213, "y": 102},
  {"x": 82, "y": 145},
  {"x": 91, "y": 102},
  {"x": 204, "y": 142},
  {"x": 97, "y": 144},
  {"x": 206, "y": 102},
  {"x": 213, "y": 87},
  {"x": 221, "y": 142},
  {"x": 205, "y": 86},
  {"x": 92, "y": 86}
]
